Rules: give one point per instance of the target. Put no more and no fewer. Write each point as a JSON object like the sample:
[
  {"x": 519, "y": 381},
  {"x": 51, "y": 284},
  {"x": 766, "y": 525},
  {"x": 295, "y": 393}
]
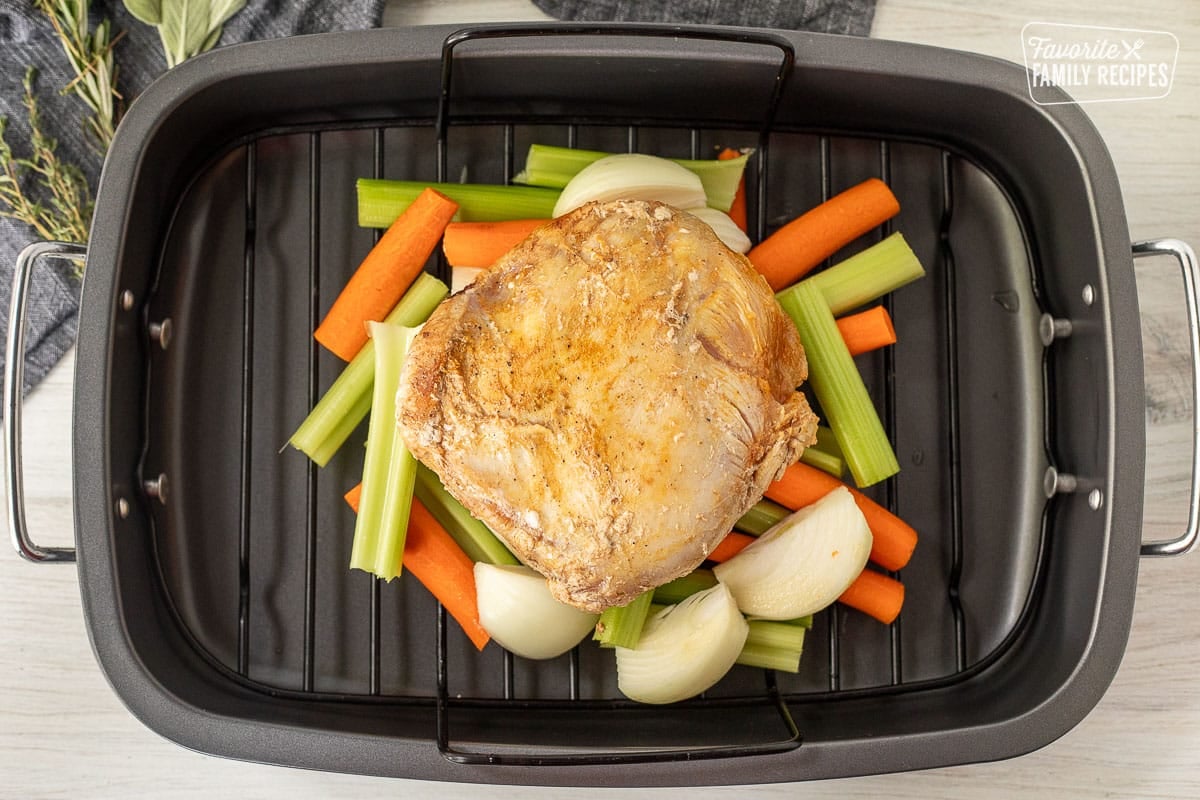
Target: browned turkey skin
[{"x": 609, "y": 397}]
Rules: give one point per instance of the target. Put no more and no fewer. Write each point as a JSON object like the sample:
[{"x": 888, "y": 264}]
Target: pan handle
[
  {"x": 787, "y": 50},
  {"x": 1191, "y": 285},
  {"x": 14, "y": 373}
]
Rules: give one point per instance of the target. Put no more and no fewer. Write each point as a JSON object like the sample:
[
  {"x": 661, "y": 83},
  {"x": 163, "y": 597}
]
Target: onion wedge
[
  {"x": 724, "y": 227},
  {"x": 632, "y": 176},
  {"x": 803, "y": 563},
  {"x": 684, "y": 649},
  {"x": 518, "y": 611}
]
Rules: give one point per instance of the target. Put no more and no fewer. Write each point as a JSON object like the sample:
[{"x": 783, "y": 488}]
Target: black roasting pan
[{"x": 213, "y": 564}]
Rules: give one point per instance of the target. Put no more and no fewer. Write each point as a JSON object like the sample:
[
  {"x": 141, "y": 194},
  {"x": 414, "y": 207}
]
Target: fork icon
[{"x": 1132, "y": 49}]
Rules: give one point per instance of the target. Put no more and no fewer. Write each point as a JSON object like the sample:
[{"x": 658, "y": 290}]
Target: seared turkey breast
[{"x": 609, "y": 397}]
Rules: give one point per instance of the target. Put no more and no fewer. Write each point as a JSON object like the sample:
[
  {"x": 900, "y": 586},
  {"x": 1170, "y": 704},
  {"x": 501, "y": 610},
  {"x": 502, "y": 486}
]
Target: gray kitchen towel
[
  {"x": 826, "y": 16},
  {"x": 27, "y": 39}
]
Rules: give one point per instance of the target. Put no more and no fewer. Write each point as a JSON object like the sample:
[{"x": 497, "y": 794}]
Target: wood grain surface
[{"x": 63, "y": 733}]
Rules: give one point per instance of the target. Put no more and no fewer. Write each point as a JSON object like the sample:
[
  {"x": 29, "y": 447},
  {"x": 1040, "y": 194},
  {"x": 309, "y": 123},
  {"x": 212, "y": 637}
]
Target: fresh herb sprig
[
  {"x": 41, "y": 189},
  {"x": 186, "y": 27},
  {"x": 67, "y": 210},
  {"x": 90, "y": 53}
]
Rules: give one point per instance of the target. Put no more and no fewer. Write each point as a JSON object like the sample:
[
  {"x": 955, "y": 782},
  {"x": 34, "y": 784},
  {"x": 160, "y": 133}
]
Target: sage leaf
[
  {"x": 213, "y": 37},
  {"x": 147, "y": 11},
  {"x": 219, "y": 12},
  {"x": 184, "y": 28}
]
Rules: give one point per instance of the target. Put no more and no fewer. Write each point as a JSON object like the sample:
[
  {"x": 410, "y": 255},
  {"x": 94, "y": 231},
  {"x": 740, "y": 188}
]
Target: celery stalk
[
  {"x": 773, "y": 645},
  {"x": 389, "y": 469},
  {"x": 720, "y": 178},
  {"x": 397, "y": 504},
  {"x": 761, "y": 516},
  {"x": 864, "y": 277},
  {"x": 381, "y": 201},
  {"x": 335, "y": 429},
  {"x": 839, "y": 387},
  {"x": 781, "y": 635},
  {"x": 479, "y": 543},
  {"x": 340, "y": 409},
  {"x": 553, "y": 167},
  {"x": 684, "y": 587},
  {"x": 757, "y": 655},
  {"x": 825, "y": 454},
  {"x": 621, "y": 626},
  {"x": 347, "y": 401}
]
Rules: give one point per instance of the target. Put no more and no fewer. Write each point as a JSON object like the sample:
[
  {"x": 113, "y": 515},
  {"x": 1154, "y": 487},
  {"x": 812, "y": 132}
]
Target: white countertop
[{"x": 64, "y": 733}]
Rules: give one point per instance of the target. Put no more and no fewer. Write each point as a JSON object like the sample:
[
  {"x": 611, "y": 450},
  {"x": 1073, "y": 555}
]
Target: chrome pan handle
[
  {"x": 1191, "y": 285},
  {"x": 14, "y": 373}
]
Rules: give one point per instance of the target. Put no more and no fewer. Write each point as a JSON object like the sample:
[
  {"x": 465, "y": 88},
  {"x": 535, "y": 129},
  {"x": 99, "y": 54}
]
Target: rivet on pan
[
  {"x": 1095, "y": 499},
  {"x": 127, "y": 300},
  {"x": 161, "y": 332},
  {"x": 1055, "y": 482},
  {"x": 157, "y": 487},
  {"x": 1051, "y": 328},
  {"x": 122, "y": 508},
  {"x": 1089, "y": 294}
]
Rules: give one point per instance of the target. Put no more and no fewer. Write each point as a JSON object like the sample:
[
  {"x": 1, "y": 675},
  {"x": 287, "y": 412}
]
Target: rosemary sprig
[
  {"x": 67, "y": 212},
  {"x": 90, "y": 53},
  {"x": 42, "y": 190}
]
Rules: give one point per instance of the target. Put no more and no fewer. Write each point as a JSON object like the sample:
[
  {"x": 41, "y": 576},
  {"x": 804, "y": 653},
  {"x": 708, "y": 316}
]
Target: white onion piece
[
  {"x": 803, "y": 563},
  {"x": 518, "y": 611},
  {"x": 462, "y": 277},
  {"x": 632, "y": 176},
  {"x": 724, "y": 227},
  {"x": 684, "y": 649}
]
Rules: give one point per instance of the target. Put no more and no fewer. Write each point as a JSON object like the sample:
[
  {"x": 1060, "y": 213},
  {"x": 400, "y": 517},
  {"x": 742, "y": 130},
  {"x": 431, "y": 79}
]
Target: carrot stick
[
  {"x": 875, "y": 594},
  {"x": 385, "y": 274},
  {"x": 790, "y": 252},
  {"x": 478, "y": 244},
  {"x": 440, "y": 565},
  {"x": 353, "y": 496},
  {"x": 893, "y": 539},
  {"x": 737, "y": 211},
  {"x": 733, "y": 543},
  {"x": 445, "y": 570},
  {"x": 867, "y": 330}
]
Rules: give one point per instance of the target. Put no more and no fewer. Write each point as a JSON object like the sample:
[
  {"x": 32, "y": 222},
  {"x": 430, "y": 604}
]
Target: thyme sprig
[
  {"x": 64, "y": 210},
  {"x": 41, "y": 189}
]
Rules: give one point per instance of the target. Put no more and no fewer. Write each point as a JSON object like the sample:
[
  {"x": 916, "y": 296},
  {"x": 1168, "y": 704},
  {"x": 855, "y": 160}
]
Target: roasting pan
[{"x": 213, "y": 565}]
